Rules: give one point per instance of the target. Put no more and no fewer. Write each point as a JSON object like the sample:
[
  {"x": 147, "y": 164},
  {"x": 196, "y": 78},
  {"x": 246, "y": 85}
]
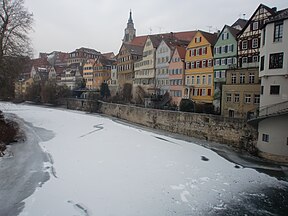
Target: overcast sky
[{"x": 65, "y": 25}]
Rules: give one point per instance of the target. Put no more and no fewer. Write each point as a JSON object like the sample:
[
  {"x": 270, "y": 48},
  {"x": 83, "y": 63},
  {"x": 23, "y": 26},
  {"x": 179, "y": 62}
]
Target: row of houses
[{"x": 241, "y": 70}]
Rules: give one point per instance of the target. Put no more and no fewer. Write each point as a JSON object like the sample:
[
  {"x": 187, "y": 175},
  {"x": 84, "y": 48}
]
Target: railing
[{"x": 274, "y": 109}]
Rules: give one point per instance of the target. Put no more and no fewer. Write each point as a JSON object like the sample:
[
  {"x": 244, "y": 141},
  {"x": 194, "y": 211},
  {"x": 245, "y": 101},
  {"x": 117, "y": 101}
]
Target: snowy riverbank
[{"x": 100, "y": 167}]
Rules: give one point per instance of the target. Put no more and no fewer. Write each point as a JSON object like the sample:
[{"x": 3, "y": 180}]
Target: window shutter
[
  {"x": 195, "y": 40},
  {"x": 200, "y": 92},
  {"x": 232, "y": 46},
  {"x": 194, "y": 52},
  {"x": 227, "y": 35},
  {"x": 200, "y": 64},
  {"x": 220, "y": 50},
  {"x": 200, "y": 39},
  {"x": 206, "y": 63},
  {"x": 200, "y": 51}
]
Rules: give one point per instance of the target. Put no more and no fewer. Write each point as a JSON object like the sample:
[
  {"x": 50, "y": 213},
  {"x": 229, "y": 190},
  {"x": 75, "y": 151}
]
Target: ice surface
[{"x": 100, "y": 167}]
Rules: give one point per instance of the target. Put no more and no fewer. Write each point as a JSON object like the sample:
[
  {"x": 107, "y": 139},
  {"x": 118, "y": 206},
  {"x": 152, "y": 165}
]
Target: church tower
[{"x": 130, "y": 31}]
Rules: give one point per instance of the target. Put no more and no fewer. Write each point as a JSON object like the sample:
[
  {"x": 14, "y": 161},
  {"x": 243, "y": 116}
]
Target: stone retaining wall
[{"x": 235, "y": 132}]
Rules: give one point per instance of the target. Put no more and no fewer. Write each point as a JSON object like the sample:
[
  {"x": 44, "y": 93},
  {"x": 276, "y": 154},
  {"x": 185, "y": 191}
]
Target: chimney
[{"x": 274, "y": 9}]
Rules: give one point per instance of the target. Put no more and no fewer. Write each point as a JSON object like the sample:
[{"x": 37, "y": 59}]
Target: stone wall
[{"x": 235, "y": 132}]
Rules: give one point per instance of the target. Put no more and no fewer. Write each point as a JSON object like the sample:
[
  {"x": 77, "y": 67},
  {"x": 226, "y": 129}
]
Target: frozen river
[{"x": 78, "y": 164}]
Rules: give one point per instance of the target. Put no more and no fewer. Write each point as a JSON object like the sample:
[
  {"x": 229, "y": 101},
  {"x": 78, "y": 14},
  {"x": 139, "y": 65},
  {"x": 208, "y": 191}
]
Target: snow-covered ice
[{"x": 101, "y": 167}]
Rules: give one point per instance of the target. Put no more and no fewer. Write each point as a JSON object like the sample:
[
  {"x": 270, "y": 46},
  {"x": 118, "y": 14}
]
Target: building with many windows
[
  {"x": 145, "y": 67},
  {"x": 249, "y": 37},
  {"x": 199, "y": 72},
  {"x": 176, "y": 74},
  {"x": 225, "y": 57},
  {"x": 241, "y": 93},
  {"x": 273, "y": 111}
]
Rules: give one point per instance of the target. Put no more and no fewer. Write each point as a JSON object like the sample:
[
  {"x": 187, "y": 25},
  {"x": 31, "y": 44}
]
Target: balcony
[{"x": 269, "y": 111}]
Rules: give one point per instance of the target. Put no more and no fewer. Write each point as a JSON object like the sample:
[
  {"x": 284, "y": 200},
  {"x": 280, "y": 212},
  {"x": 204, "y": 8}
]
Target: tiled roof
[
  {"x": 240, "y": 22},
  {"x": 109, "y": 55},
  {"x": 134, "y": 49},
  {"x": 280, "y": 15},
  {"x": 181, "y": 51},
  {"x": 210, "y": 37},
  {"x": 139, "y": 41}
]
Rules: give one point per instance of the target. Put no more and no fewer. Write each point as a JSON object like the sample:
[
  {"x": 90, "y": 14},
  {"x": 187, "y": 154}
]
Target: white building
[{"x": 273, "y": 111}]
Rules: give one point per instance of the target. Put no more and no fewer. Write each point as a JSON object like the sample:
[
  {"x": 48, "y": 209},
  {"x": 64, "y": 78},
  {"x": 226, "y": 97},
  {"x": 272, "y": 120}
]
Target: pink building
[{"x": 176, "y": 74}]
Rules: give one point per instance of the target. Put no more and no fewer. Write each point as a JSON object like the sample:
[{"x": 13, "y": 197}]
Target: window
[
  {"x": 229, "y": 61},
  {"x": 204, "y": 63},
  {"x": 198, "y": 79},
  {"x": 223, "y": 61},
  {"x": 197, "y": 64},
  {"x": 262, "y": 90},
  {"x": 217, "y": 74},
  {"x": 276, "y": 60},
  {"x": 263, "y": 36},
  {"x": 262, "y": 63},
  {"x": 187, "y": 80},
  {"x": 242, "y": 78},
  {"x": 195, "y": 92},
  {"x": 278, "y": 31},
  {"x": 244, "y": 44},
  {"x": 228, "y": 97},
  {"x": 256, "y": 99},
  {"x": 204, "y": 92},
  {"x": 230, "y": 48},
  {"x": 244, "y": 60},
  {"x": 233, "y": 78},
  {"x": 251, "y": 78},
  {"x": 217, "y": 62},
  {"x": 209, "y": 80},
  {"x": 247, "y": 98},
  {"x": 204, "y": 79},
  {"x": 255, "y": 43},
  {"x": 274, "y": 89},
  {"x": 204, "y": 50},
  {"x": 193, "y": 80},
  {"x": 197, "y": 39},
  {"x": 255, "y": 58},
  {"x": 255, "y": 26},
  {"x": 210, "y": 63},
  {"x": 236, "y": 98},
  {"x": 265, "y": 137}
]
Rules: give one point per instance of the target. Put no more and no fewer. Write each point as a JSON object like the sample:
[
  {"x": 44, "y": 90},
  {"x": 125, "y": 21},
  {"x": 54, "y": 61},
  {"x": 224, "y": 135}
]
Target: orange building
[
  {"x": 199, "y": 75},
  {"x": 101, "y": 71}
]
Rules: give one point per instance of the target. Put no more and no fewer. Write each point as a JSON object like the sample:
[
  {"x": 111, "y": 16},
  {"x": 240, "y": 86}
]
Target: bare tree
[{"x": 15, "y": 24}]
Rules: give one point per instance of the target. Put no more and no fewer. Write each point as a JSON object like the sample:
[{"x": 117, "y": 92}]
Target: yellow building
[
  {"x": 199, "y": 75},
  {"x": 21, "y": 87},
  {"x": 88, "y": 73}
]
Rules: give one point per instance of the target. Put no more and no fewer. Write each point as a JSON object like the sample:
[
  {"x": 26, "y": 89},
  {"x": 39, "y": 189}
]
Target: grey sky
[{"x": 65, "y": 25}]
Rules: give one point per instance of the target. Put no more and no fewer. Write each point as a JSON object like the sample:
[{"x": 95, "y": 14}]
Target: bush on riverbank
[{"x": 8, "y": 132}]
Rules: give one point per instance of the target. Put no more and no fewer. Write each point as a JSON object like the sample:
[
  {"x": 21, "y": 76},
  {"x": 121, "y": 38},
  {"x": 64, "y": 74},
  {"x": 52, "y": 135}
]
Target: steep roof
[
  {"x": 134, "y": 49},
  {"x": 181, "y": 51},
  {"x": 280, "y": 15},
  {"x": 156, "y": 40},
  {"x": 258, "y": 8},
  {"x": 185, "y": 36},
  {"x": 210, "y": 37},
  {"x": 139, "y": 41},
  {"x": 240, "y": 22}
]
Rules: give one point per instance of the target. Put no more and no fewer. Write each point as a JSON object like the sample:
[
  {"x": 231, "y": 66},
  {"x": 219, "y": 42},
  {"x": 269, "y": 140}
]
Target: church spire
[
  {"x": 130, "y": 31},
  {"x": 130, "y": 17}
]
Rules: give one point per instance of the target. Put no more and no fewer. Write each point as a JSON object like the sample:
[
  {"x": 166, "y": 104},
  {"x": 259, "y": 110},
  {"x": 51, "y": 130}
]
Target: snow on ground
[{"x": 100, "y": 167}]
